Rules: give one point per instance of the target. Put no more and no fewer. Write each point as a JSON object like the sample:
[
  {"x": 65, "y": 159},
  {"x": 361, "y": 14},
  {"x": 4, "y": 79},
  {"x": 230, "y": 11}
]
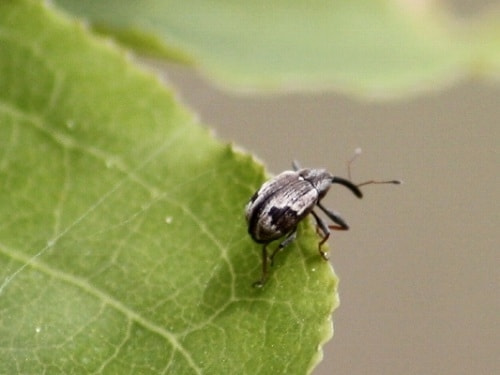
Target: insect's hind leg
[
  {"x": 289, "y": 238},
  {"x": 265, "y": 259},
  {"x": 260, "y": 283}
]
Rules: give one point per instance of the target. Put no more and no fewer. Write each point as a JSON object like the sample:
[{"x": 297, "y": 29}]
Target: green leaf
[
  {"x": 123, "y": 246},
  {"x": 384, "y": 47},
  {"x": 485, "y": 40}
]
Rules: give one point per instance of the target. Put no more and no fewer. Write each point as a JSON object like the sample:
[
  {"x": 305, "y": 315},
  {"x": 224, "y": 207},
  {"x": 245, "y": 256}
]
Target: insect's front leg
[
  {"x": 325, "y": 229},
  {"x": 325, "y": 234},
  {"x": 333, "y": 216}
]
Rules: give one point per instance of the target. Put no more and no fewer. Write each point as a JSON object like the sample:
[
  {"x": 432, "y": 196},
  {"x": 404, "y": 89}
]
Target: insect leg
[
  {"x": 325, "y": 229},
  {"x": 289, "y": 238},
  {"x": 325, "y": 234},
  {"x": 263, "y": 278},
  {"x": 333, "y": 216}
]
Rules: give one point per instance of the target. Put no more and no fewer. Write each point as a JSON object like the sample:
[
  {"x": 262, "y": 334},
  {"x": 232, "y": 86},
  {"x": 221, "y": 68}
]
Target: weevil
[{"x": 275, "y": 210}]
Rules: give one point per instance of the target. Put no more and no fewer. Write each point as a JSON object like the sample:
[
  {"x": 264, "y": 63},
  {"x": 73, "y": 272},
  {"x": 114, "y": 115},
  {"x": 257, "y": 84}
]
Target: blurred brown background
[{"x": 419, "y": 269}]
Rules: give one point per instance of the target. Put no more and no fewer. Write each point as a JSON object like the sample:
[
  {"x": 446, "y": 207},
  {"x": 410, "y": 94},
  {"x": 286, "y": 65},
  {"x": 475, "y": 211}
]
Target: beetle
[{"x": 278, "y": 206}]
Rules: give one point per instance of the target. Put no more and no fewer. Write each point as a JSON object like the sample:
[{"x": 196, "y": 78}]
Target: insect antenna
[
  {"x": 348, "y": 184},
  {"x": 357, "y": 152},
  {"x": 369, "y": 182}
]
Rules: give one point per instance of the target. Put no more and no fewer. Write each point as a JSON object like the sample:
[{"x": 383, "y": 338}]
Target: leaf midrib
[{"x": 108, "y": 300}]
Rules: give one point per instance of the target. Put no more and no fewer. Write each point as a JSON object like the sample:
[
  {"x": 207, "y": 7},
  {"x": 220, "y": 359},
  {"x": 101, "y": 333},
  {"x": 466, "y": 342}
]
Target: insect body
[{"x": 276, "y": 209}]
